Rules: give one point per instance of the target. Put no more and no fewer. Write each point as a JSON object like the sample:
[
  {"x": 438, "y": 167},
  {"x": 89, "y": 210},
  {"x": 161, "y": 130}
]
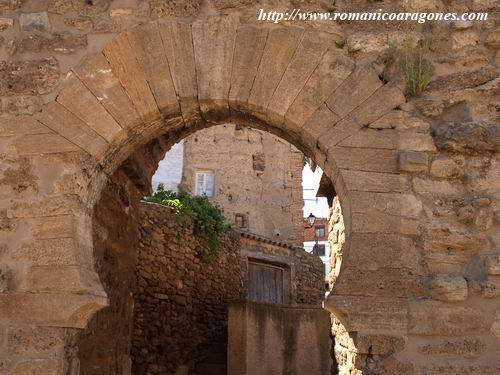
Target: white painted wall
[{"x": 169, "y": 171}]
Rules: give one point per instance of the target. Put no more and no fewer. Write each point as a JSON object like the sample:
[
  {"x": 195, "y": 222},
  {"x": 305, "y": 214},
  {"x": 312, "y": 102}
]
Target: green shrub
[
  {"x": 417, "y": 68},
  {"x": 414, "y": 61},
  {"x": 207, "y": 217}
]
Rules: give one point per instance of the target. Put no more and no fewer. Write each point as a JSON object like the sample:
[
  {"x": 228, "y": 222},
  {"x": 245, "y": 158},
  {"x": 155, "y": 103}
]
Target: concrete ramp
[{"x": 267, "y": 339}]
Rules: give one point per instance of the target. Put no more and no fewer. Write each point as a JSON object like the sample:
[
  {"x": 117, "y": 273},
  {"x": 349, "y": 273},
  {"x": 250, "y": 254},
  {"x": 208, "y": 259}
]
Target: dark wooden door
[{"x": 265, "y": 283}]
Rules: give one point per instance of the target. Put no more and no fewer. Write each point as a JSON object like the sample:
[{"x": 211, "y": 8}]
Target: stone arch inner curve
[{"x": 172, "y": 78}]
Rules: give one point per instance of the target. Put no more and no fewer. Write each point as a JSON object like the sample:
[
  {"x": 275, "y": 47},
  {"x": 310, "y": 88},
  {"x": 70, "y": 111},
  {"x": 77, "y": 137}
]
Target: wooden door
[{"x": 265, "y": 283}]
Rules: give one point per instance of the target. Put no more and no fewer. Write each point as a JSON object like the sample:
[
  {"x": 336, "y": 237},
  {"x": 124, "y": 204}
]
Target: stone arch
[{"x": 172, "y": 78}]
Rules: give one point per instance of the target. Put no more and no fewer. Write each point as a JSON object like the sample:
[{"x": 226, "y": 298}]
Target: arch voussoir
[
  {"x": 127, "y": 69},
  {"x": 249, "y": 47},
  {"x": 77, "y": 99},
  {"x": 96, "y": 74},
  {"x": 214, "y": 42},
  {"x": 147, "y": 47},
  {"x": 279, "y": 50},
  {"x": 306, "y": 58},
  {"x": 178, "y": 46}
]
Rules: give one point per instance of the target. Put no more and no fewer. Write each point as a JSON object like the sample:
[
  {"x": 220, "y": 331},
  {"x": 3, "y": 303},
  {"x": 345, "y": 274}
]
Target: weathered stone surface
[
  {"x": 175, "y": 36},
  {"x": 162, "y": 8},
  {"x": 463, "y": 80},
  {"x": 44, "y": 144},
  {"x": 333, "y": 69},
  {"x": 280, "y": 47},
  {"x": 62, "y": 43},
  {"x": 436, "y": 187},
  {"x": 386, "y": 312},
  {"x": 354, "y": 90},
  {"x": 4, "y": 279},
  {"x": 28, "y": 77},
  {"x": 448, "y": 288},
  {"x": 9, "y": 4},
  {"x": 21, "y": 125},
  {"x": 21, "y": 105},
  {"x": 249, "y": 46},
  {"x": 385, "y": 99},
  {"x": 370, "y": 181},
  {"x": 50, "y": 309},
  {"x": 413, "y": 161},
  {"x": 370, "y": 160},
  {"x": 39, "y": 366},
  {"x": 213, "y": 41},
  {"x": 492, "y": 264},
  {"x": 96, "y": 74},
  {"x": 465, "y": 38},
  {"x": 121, "y": 12},
  {"x": 85, "y": 8},
  {"x": 105, "y": 25},
  {"x": 495, "y": 327},
  {"x": 59, "y": 119},
  {"x": 127, "y": 69},
  {"x": 61, "y": 279},
  {"x": 486, "y": 288},
  {"x": 484, "y": 218},
  {"x": 399, "y": 120},
  {"x": 5, "y": 23},
  {"x": 405, "y": 205},
  {"x": 493, "y": 38},
  {"x": 34, "y": 21},
  {"x": 463, "y": 370},
  {"x": 79, "y": 23},
  {"x": 436, "y": 318},
  {"x": 445, "y": 238},
  {"x": 379, "y": 344},
  {"x": 306, "y": 58},
  {"x": 468, "y": 348},
  {"x": 146, "y": 42},
  {"x": 468, "y": 138},
  {"x": 366, "y": 137},
  {"x": 416, "y": 142},
  {"x": 393, "y": 366},
  {"x": 366, "y": 42},
  {"x": 445, "y": 168},
  {"x": 44, "y": 341},
  {"x": 430, "y": 107},
  {"x": 81, "y": 102}
]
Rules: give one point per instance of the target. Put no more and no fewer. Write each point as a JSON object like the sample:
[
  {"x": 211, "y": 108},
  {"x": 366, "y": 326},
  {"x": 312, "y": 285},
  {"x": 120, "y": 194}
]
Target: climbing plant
[{"x": 207, "y": 217}]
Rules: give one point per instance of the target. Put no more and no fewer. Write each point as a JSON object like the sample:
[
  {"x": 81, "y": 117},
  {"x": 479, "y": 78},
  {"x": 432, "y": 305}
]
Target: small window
[
  {"x": 319, "y": 250},
  {"x": 240, "y": 221},
  {"x": 319, "y": 230},
  {"x": 205, "y": 183}
]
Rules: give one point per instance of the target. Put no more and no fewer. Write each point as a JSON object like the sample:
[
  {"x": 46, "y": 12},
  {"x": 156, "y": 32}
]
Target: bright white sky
[{"x": 310, "y": 182}]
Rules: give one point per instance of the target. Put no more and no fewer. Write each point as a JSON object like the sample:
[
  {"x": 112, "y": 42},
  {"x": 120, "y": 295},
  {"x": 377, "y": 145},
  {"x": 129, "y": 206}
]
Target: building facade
[
  {"x": 253, "y": 176},
  {"x": 316, "y": 241}
]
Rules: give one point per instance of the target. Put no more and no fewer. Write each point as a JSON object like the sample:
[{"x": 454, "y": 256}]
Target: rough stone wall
[
  {"x": 104, "y": 345},
  {"x": 336, "y": 239},
  {"x": 256, "y": 174},
  {"x": 182, "y": 296}
]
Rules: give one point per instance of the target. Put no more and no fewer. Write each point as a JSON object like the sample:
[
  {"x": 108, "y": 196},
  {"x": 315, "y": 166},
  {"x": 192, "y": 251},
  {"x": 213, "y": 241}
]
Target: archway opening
[{"x": 169, "y": 296}]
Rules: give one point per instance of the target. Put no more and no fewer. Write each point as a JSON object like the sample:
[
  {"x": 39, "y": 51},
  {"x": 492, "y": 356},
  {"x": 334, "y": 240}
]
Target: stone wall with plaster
[{"x": 257, "y": 176}]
